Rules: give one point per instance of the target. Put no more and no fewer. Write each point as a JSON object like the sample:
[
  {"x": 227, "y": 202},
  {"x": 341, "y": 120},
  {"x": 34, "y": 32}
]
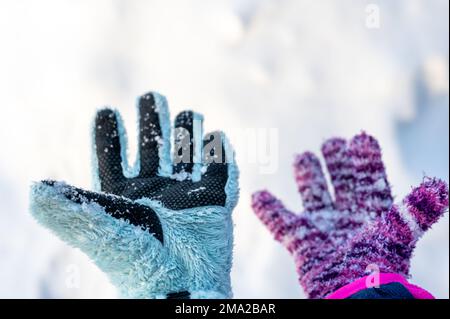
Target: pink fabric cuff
[{"x": 384, "y": 278}]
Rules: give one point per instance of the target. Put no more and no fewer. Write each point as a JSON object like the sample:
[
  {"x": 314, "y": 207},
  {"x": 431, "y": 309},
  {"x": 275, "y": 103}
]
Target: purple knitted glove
[{"x": 334, "y": 242}]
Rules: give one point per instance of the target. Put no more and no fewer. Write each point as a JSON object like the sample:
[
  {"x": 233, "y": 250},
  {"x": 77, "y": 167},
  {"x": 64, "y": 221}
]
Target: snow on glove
[
  {"x": 335, "y": 243},
  {"x": 160, "y": 229}
]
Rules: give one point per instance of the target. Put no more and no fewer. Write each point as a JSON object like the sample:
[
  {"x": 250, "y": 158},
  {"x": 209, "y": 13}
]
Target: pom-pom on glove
[
  {"x": 334, "y": 243},
  {"x": 160, "y": 229}
]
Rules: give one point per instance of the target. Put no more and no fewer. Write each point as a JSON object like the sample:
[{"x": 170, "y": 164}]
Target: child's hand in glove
[
  {"x": 337, "y": 243},
  {"x": 163, "y": 228}
]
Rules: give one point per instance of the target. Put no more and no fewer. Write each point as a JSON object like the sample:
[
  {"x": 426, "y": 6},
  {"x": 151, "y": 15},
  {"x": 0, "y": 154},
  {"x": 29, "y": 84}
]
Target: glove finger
[
  {"x": 311, "y": 182},
  {"x": 154, "y": 134},
  {"x": 372, "y": 191},
  {"x": 188, "y": 142},
  {"x": 341, "y": 171},
  {"x": 108, "y": 150},
  {"x": 273, "y": 214},
  {"x": 220, "y": 170},
  {"x": 76, "y": 215},
  {"x": 390, "y": 241},
  {"x": 309, "y": 244},
  {"x": 215, "y": 159},
  {"x": 425, "y": 204}
]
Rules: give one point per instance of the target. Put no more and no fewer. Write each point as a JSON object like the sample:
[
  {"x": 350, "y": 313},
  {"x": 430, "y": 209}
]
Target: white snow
[
  {"x": 193, "y": 191},
  {"x": 181, "y": 176}
]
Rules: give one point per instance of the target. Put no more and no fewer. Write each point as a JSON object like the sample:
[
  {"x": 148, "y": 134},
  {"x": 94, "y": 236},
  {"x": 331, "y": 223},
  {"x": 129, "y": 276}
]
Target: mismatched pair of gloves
[{"x": 163, "y": 228}]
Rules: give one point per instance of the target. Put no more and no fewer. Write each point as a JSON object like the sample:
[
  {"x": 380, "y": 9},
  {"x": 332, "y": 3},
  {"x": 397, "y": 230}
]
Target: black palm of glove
[{"x": 185, "y": 205}]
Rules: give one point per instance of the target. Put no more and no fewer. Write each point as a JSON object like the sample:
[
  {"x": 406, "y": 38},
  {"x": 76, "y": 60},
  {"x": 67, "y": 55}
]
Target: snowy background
[{"x": 309, "y": 69}]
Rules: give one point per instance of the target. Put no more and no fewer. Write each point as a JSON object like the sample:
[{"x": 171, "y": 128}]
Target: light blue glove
[{"x": 160, "y": 229}]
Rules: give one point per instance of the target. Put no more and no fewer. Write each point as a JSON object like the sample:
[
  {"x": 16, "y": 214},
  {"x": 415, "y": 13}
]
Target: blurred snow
[{"x": 311, "y": 69}]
